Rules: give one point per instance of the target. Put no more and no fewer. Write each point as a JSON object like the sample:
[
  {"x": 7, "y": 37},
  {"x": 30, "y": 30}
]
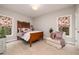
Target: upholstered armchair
[
  {"x": 58, "y": 36},
  {"x": 56, "y": 39}
]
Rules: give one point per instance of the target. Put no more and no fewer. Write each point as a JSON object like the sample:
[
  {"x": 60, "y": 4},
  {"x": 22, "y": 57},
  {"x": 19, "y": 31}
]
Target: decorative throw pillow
[
  {"x": 23, "y": 33},
  {"x": 58, "y": 35},
  {"x": 52, "y": 35}
]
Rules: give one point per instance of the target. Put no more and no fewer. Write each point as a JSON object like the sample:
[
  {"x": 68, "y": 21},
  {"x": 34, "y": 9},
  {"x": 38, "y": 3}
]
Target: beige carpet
[{"x": 20, "y": 47}]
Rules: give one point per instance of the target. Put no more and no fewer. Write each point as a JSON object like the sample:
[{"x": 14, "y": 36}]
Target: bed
[{"x": 29, "y": 35}]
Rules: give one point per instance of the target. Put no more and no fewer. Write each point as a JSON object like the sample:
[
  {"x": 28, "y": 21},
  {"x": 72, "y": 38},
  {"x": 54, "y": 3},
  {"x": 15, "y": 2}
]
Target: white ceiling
[{"x": 26, "y": 9}]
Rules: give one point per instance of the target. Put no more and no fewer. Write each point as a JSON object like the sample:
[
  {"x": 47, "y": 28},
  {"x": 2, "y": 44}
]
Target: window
[
  {"x": 64, "y": 24},
  {"x": 6, "y": 22}
]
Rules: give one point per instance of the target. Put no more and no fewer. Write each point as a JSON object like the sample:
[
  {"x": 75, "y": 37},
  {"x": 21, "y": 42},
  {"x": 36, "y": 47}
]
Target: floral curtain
[
  {"x": 64, "y": 24},
  {"x": 6, "y": 22}
]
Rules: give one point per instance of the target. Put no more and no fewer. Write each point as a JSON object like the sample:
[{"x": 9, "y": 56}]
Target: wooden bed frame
[{"x": 33, "y": 36}]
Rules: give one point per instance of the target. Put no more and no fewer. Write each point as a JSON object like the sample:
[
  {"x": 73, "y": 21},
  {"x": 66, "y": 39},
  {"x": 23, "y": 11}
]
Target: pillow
[
  {"x": 58, "y": 35},
  {"x": 52, "y": 35},
  {"x": 18, "y": 30},
  {"x": 24, "y": 29},
  {"x": 22, "y": 34}
]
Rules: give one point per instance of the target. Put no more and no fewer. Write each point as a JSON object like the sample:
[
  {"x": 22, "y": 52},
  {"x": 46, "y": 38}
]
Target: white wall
[
  {"x": 44, "y": 22},
  {"x": 77, "y": 25},
  {"x": 15, "y": 16}
]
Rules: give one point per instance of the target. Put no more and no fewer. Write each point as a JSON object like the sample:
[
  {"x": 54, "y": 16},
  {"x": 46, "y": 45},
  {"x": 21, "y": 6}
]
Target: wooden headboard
[{"x": 21, "y": 24}]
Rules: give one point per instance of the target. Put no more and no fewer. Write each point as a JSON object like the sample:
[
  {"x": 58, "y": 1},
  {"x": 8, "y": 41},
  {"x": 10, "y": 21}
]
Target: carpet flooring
[{"x": 40, "y": 47}]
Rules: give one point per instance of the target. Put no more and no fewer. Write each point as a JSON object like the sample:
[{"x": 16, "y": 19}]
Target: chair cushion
[
  {"x": 54, "y": 43},
  {"x": 53, "y": 40}
]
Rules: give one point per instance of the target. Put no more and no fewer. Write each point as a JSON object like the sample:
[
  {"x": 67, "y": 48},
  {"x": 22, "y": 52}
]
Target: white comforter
[{"x": 26, "y": 36}]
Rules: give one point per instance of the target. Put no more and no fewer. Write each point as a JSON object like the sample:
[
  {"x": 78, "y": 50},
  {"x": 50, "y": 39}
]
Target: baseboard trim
[
  {"x": 11, "y": 41},
  {"x": 72, "y": 43}
]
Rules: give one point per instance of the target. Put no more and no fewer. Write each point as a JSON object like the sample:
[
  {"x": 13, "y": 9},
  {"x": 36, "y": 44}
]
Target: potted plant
[
  {"x": 2, "y": 39},
  {"x": 2, "y": 32}
]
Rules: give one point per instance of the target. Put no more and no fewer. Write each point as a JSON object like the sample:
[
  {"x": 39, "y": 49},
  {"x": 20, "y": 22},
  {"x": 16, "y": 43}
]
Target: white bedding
[{"x": 26, "y": 36}]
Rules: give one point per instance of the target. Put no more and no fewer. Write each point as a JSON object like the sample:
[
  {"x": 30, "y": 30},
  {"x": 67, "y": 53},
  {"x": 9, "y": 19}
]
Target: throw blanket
[{"x": 58, "y": 36}]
